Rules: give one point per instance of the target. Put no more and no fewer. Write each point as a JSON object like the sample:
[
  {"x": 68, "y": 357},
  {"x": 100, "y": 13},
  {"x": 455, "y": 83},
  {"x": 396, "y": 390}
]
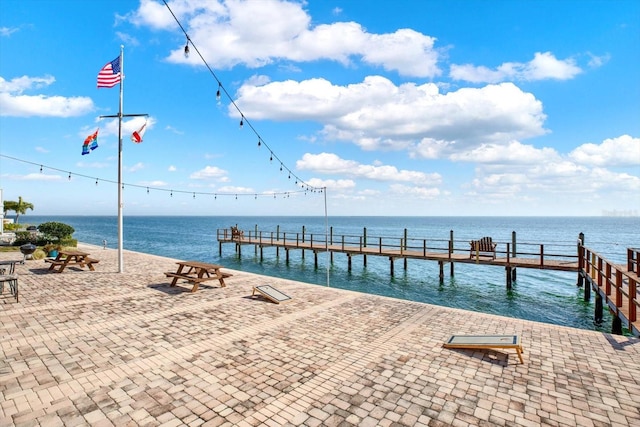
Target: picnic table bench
[
  {"x": 71, "y": 257},
  {"x": 196, "y": 272},
  {"x": 483, "y": 246}
]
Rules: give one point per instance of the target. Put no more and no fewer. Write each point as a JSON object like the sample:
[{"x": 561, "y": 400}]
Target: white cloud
[
  {"x": 14, "y": 103},
  {"x": 172, "y": 168},
  {"x": 513, "y": 152},
  {"x": 376, "y": 114},
  {"x": 257, "y": 33},
  {"x": 328, "y": 163},
  {"x": 543, "y": 66},
  {"x": 415, "y": 191},
  {"x": 621, "y": 151},
  {"x": 209, "y": 172},
  {"x": 135, "y": 168},
  {"x": 6, "y": 31}
]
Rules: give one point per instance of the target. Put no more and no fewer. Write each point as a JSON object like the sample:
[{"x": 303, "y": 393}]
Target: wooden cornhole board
[
  {"x": 271, "y": 293},
  {"x": 486, "y": 342}
]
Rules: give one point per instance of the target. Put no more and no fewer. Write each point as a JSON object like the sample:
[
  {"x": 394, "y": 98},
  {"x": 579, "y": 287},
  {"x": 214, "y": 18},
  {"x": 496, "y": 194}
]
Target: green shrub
[
  {"x": 38, "y": 254},
  {"x": 56, "y": 231}
]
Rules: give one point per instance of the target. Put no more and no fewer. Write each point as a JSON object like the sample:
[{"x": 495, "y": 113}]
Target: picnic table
[
  {"x": 196, "y": 272},
  {"x": 71, "y": 257}
]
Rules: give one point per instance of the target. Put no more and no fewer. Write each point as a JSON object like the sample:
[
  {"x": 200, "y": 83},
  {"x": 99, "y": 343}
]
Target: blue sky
[{"x": 395, "y": 107}]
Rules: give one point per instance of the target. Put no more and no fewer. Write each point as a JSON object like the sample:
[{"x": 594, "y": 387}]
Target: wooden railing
[
  {"x": 620, "y": 287},
  {"x": 405, "y": 246}
]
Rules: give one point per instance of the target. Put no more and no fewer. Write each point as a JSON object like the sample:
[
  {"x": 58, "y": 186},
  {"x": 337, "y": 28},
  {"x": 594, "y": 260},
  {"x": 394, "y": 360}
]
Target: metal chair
[{"x": 8, "y": 274}]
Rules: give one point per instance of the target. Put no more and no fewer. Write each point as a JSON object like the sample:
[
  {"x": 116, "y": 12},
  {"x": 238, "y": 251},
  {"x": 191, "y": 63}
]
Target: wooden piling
[{"x": 598, "y": 313}]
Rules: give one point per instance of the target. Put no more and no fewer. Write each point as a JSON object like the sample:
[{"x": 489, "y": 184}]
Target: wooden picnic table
[
  {"x": 196, "y": 272},
  {"x": 71, "y": 257}
]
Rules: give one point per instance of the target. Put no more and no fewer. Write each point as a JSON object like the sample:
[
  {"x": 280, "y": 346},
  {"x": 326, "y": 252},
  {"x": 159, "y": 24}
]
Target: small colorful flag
[
  {"x": 109, "y": 75},
  {"x": 138, "y": 134},
  {"x": 91, "y": 142}
]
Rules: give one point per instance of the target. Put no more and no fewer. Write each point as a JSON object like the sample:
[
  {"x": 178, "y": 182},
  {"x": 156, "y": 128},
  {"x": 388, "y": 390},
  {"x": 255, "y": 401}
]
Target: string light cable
[
  {"x": 148, "y": 189},
  {"x": 243, "y": 118}
]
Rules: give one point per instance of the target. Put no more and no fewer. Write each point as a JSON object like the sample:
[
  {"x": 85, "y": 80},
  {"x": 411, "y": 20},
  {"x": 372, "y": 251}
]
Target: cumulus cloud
[
  {"x": 328, "y": 163},
  {"x": 543, "y": 66},
  {"x": 512, "y": 152},
  {"x": 621, "y": 151},
  {"x": 257, "y": 33},
  {"x": 209, "y": 173},
  {"x": 14, "y": 103},
  {"x": 377, "y": 114}
]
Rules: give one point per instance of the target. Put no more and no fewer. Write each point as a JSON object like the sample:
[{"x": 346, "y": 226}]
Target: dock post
[
  {"x": 220, "y": 247},
  {"x": 286, "y": 250},
  {"x": 509, "y": 284},
  {"x": 451, "y": 268},
  {"x": 391, "y": 262},
  {"x": 587, "y": 293},
  {"x": 364, "y": 244},
  {"x": 315, "y": 259},
  {"x": 513, "y": 254},
  {"x": 451, "y": 251},
  {"x": 598, "y": 315},
  {"x": 348, "y": 262},
  {"x": 255, "y": 247},
  {"x": 441, "y": 264},
  {"x": 303, "y": 241},
  {"x": 616, "y": 326},
  {"x": 580, "y": 282}
]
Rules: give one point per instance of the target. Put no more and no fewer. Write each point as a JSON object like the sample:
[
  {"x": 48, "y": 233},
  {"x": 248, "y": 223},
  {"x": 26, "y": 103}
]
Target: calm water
[{"x": 544, "y": 296}]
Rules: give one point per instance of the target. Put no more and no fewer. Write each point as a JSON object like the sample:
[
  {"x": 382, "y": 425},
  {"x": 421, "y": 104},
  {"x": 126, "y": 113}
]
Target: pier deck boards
[{"x": 461, "y": 257}]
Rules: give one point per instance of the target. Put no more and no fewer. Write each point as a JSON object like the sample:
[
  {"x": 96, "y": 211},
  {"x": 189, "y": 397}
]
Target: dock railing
[
  {"x": 620, "y": 287},
  {"x": 402, "y": 246}
]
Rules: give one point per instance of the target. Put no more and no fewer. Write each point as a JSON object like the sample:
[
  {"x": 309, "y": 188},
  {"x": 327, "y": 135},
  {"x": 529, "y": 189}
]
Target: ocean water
[{"x": 538, "y": 295}]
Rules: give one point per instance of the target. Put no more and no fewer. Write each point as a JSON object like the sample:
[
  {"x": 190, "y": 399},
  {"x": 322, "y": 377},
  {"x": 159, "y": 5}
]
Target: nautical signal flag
[
  {"x": 137, "y": 135},
  {"x": 90, "y": 143},
  {"x": 110, "y": 74}
]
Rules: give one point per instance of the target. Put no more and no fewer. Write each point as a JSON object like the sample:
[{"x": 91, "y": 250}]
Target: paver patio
[{"x": 104, "y": 348}]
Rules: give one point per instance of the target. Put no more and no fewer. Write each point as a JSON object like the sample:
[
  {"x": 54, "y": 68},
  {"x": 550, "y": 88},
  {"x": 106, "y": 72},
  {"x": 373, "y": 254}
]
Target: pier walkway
[{"x": 103, "y": 348}]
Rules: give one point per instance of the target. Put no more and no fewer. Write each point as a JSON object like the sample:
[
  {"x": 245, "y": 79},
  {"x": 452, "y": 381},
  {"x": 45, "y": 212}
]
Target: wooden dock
[{"x": 616, "y": 285}]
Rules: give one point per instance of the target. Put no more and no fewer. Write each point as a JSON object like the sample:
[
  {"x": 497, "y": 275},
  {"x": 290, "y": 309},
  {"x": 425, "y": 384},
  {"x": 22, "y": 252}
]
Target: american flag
[{"x": 109, "y": 75}]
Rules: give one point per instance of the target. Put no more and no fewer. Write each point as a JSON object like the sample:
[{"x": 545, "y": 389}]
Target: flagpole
[
  {"x": 120, "y": 222},
  {"x": 120, "y": 116}
]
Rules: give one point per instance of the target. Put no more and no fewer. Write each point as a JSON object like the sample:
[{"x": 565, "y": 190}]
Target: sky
[{"x": 401, "y": 108}]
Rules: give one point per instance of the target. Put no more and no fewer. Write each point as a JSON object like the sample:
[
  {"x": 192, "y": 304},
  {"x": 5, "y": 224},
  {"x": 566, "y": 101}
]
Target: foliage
[
  {"x": 24, "y": 237},
  {"x": 39, "y": 254},
  {"x": 56, "y": 231},
  {"x": 12, "y": 227},
  {"x": 20, "y": 207}
]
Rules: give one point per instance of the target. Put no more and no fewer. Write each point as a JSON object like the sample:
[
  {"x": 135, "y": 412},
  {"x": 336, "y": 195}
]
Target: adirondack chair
[{"x": 484, "y": 245}]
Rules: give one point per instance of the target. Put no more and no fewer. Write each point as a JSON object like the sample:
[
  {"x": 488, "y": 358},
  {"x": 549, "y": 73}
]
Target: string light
[
  {"x": 220, "y": 86},
  {"x": 146, "y": 188},
  {"x": 186, "y": 49},
  {"x": 40, "y": 168}
]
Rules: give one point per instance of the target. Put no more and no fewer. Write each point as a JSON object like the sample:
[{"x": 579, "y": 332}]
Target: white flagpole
[{"x": 120, "y": 223}]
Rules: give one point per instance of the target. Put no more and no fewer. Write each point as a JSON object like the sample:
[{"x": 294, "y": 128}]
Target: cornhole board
[
  {"x": 271, "y": 293},
  {"x": 486, "y": 342}
]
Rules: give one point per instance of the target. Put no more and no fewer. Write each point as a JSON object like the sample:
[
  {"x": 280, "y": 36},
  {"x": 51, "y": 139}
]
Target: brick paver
[{"x": 106, "y": 348}]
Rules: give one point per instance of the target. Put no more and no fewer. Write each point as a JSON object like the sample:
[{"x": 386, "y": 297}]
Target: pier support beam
[
  {"x": 616, "y": 327},
  {"x": 587, "y": 292},
  {"x": 287, "y": 255},
  {"x": 315, "y": 259},
  {"x": 508, "y": 273},
  {"x": 441, "y": 265},
  {"x": 348, "y": 262},
  {"x": 391, "y": 262},
  {"x": 598, "y": 315}
]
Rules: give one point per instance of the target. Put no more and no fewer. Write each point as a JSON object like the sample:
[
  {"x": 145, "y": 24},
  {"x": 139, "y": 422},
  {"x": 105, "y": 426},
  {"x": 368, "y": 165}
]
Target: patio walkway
[{"x": 103, "y": 348}]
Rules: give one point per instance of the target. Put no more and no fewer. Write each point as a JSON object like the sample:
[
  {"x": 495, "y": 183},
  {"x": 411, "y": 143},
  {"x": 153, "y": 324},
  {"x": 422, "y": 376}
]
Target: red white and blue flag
[
  {"x": 110, "y": 74},
  {"x": 138, "y": 134},
  {"x": 90, "y": 143}
]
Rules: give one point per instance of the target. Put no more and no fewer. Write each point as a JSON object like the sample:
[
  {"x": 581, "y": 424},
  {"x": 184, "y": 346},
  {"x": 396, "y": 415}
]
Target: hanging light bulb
[
  {"x": 241, "y": 121},
  {"x": 194, "y": 195},
  {"x": 271, "y": 157},
  {"x": 280, "y": 167},
  {"x": 218, "y": 92},
  {"x": 69, "y": 176},
  {"x": 236, "y": 197},
  {"x": 186, "y": 49},
  {"x": 259, "y": 143},
  {"x": 96, "y": 181},
  {"x": 171, "y": 193},
  {"x": 40, "y": 168},
  {"x": 147, "y": 190}
]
